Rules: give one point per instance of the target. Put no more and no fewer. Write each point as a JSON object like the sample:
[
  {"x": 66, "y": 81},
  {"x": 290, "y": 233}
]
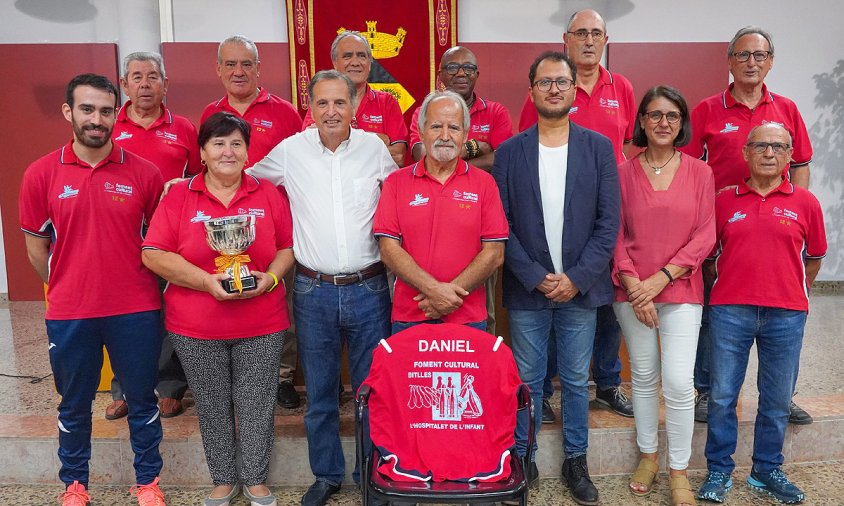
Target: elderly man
[
  {"x": 489, "y": 123},
  {"x": 440, "y": 225},
  {"x": 147, "y": 128},
  {"x": 603, "y": 102},
  {"x": 559, "y": 188},
  {"x": 333, "y": 175},
  {"x": 273, "y": 119},
  {"x": 489, "y": 126},
  {"x": 720, "y": 125},
  {"x": 762, "y": 299},
  {"x": 377, "y": 111},
  {"x": 81, "y": 208}
]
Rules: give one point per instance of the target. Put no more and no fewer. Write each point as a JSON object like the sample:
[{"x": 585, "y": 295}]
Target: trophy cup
[{"x": 231, "y": 236}]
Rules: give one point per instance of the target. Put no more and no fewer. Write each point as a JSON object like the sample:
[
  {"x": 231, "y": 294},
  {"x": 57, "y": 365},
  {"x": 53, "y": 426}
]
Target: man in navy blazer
[{"x": 559, "y": 188}]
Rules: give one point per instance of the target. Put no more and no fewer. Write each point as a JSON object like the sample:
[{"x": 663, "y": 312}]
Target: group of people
[{"x": 601, "y": 213}]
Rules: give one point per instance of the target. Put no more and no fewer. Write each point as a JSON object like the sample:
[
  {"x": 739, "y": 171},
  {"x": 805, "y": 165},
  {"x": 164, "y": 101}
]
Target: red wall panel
[
  {"x": 191, "y": 71},
  {"x": 32, "y": 109}
]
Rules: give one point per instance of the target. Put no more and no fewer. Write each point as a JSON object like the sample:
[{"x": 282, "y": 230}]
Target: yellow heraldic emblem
[{"x": 384, "y": 46}]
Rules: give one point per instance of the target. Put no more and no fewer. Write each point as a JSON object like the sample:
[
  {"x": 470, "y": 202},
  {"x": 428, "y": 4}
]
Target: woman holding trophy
[{"x": 223, "y": 240}]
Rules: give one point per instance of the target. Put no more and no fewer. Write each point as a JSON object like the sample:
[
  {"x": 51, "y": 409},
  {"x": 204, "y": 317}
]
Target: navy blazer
[{"x": 591, "y": 218}]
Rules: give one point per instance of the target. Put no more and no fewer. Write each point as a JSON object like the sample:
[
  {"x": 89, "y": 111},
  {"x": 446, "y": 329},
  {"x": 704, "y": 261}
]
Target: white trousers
[{"x": 676, "y": 339}]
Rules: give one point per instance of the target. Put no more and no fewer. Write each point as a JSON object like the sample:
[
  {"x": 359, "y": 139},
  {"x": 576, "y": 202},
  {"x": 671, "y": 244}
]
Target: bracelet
[
  {"x": 472, "y": 149},
  {"x": 275, "y": 282},
  {"x": 668, "y": 274}
]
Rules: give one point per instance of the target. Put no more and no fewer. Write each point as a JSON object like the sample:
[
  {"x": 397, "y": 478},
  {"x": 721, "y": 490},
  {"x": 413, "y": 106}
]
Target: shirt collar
[
  {"x": 263, "y": 96},
  {"x": 786, "y": 187},
  {"x": 67, "y": 156},
  {"x": 248, "y": 184},
  {"x": 478, "y": 104},
  {"x": 728, "y": 100},
  {"x": 166, "y": 116},
  {"x": 312, "y": 134}
]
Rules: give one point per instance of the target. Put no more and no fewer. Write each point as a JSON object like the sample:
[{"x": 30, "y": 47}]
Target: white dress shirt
[{"x": 332, "y": 195}]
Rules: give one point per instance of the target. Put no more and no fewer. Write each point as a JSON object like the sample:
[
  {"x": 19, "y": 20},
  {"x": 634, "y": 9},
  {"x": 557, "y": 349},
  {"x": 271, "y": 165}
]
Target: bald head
[
  {"x": 767, "y": 153},
  {"x": 768, "y": 129},
  {"x": 459, "y": 71},
  {"x": 584, "y": 15}
]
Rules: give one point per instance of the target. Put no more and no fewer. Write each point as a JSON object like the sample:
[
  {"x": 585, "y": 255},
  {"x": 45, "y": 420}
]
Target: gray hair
[
  {"x": 750, "y": 30},
  {"x": 332, "y": 75},
  {"x": 238, "y": 39},
  {"x": 442, "y": 95},
  {"x": 347, "y": 34},
  {"x": 144, "y": 56}
]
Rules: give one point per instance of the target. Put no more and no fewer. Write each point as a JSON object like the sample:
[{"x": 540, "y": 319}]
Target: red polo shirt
[
  {"x": 488, "y": 122},
  {"x": 272, "y": 119},
  {"x": 442, "y": 227},
  {"x": 610, "y": 110},
  {"x": 761, "y": 242},
  {"x": 720, "y": 127},
  {"x": 94, "y": 216},
  {"x": 179, "y": 227},
  {"x": 379, "y": 113},
  {"x": 169, "y": 143}
]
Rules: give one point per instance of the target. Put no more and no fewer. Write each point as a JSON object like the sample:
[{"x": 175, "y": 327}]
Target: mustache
[
  {"x": 94, "y": 127},
  {"x": 444, "y": 144}
]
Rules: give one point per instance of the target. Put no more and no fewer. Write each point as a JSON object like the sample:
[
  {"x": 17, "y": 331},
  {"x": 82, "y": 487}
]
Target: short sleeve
[
  {"x": 32, "y": 203},
  {"x": 163, "y": 232},
  {"x": 414, "y": 129},
  {"x": 386, "y": 222},
  {"x": 502, "y": 127},
  {"x": 493, "y": 221},
  {"x": 394, "y": 125}
]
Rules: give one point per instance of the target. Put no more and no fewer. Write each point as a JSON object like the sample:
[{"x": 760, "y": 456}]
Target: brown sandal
[
  {"x": 645, "y": 474},
  {"x": 681, "y": 491}
]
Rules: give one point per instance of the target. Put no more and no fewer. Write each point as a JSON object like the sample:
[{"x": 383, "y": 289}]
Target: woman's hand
[
  {"x": 647, "y": 315},
  {"x": 647, "y": 290},
  {"x": 264, "y": 282},
  {"x": 213, "y": 284}
]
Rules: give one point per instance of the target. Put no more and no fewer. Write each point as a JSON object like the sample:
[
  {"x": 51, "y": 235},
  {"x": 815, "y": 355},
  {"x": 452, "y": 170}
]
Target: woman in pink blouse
[{"x": 667, "y": 229}]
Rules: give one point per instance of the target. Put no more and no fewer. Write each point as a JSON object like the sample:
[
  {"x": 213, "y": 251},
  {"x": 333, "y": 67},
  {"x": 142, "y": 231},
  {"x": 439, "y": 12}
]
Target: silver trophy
[{"x": 231, "y": 236}]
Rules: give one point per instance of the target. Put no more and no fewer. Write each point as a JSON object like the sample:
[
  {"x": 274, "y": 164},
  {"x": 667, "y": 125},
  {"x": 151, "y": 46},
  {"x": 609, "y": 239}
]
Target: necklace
[{"x": 658, "y": 169}]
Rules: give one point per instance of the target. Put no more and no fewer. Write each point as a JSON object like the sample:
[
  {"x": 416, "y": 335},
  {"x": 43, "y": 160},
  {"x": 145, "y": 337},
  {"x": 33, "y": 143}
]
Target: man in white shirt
[{"x": 333, "y": 175}]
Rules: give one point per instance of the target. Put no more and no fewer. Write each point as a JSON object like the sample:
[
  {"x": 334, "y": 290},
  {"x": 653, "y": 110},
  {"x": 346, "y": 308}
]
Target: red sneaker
[
  {"x": 148, "y": 495},
  {"x": 75, "y": 495}
]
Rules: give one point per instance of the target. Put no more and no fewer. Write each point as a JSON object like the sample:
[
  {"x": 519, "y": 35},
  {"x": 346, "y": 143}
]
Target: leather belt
[{"x": 343, "y": 279}]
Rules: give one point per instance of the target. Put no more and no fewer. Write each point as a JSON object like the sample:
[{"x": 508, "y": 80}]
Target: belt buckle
[{"x": 337, "y": 278}]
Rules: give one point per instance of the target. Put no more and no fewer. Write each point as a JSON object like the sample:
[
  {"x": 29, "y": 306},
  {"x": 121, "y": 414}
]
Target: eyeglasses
[
  {"x": 562, "y": 84},
  {"x": 656, "y": 116},
  {"x": 761, "y": 147},
  {"x": 582, "y": 34},
  {"x": 759, "y": 56},
  {"x": 452, "y": 69}
]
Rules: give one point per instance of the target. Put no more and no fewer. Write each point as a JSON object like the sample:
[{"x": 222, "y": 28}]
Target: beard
[
  {"x": 444, "y": 151},
  {"x": 81, "y": 134},
  {"x": 553, "y": 114}
]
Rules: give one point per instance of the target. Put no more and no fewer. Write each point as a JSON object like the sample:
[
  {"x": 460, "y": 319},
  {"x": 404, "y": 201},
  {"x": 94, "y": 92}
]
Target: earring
[{"x": 204, "y": 163}]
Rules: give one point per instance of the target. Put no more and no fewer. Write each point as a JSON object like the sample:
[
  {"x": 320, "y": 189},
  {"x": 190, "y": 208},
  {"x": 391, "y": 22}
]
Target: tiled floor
[{"x": 820, "y": 482}]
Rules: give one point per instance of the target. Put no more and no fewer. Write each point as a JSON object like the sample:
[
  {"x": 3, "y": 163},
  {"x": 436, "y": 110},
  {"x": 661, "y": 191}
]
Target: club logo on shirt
[
  {"x": 373, "y": 119},
  {"x": 484, "y": 129},
  {"x": 263, "y": 123},
  {"x": 200, "y": 217},
  {"x": 785, "y": 213},
  {"x": 68, "y": 192},
  {"x": 253, "y": 211},
  {"x": 451, "y": 397},
  {"x": 167, "y": 135},
  {"x": 738, "y": 216},
  {"x": 419, "y": 200},
  {"x": 573, "y": 110},
  {"x": 729, "y": 128},
  {"x": 464, "y": 196},
  {"x": 609, "y": 103},
  {"x": 123, "y": 136},
  {"x": 121, "y": 189}
]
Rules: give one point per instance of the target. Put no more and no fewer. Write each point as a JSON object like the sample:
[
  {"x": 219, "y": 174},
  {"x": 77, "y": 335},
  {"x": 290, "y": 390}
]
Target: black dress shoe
[
  {"x": 548, "y": 415},
  {"x": 319, "y": 493},
  {"x": 287, "y": 396},
  {"x": 576, "y": 477},
  {"x": 798, "y": 416}
]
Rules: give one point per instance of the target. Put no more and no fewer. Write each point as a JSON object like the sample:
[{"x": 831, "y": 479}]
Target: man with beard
[
  {"x": 82, "y": 208},
  {"x": 559, "y": 188},
  {"x": 440, "y": 225}
]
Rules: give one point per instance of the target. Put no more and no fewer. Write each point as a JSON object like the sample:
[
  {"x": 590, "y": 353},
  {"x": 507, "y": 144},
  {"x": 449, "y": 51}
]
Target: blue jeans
[
  {"x": 133, "y": 342},
  {"x": 702, "y": 357},
  {"x": 573, "y": 328},
  {"x": 778, "y": 334},
  {"x": 606, "y": 367},
  {"x": 327, "y": 315},
  {"x": 399, "y": 326},
  {"x": 551, "y": 372}
]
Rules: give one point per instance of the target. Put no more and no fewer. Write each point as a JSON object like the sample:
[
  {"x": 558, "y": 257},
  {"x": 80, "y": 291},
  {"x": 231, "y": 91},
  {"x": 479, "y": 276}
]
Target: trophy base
[{"x": 249, "y": 283}]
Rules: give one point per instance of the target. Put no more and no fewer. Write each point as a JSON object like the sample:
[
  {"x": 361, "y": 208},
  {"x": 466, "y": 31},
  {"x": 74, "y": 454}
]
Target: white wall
[{"x": 808, "y": 39}]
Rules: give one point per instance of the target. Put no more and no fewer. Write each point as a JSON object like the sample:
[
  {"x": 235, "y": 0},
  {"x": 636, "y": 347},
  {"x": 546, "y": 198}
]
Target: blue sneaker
[
  {"x": 776, "y": 485},
  {"x": 715, "y": 487}
]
